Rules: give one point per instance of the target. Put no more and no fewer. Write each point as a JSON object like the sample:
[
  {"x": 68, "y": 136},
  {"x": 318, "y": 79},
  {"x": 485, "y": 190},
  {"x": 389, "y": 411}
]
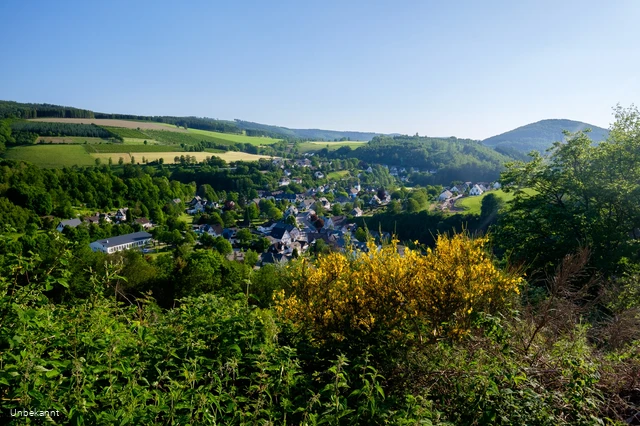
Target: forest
[{"x": 528, "y": 313}]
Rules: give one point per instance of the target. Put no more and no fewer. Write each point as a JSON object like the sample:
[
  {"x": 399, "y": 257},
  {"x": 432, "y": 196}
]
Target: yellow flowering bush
[{"x": 408, "y": 296}]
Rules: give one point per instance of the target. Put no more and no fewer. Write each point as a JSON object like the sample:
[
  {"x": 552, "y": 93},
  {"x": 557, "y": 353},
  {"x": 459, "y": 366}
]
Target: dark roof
[
  {"x": 71, "y": 223},
  {"x": 278, "y": 233},
  {"x": 124, "y": 239},
  {"x": 273, "y": 258},
  {"x": 283, "y": 225}
]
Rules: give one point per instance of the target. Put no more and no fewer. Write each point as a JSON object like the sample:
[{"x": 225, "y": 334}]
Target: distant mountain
[
  {"x": 310, "y": 134},
  {"x": 541, "y": 135}
]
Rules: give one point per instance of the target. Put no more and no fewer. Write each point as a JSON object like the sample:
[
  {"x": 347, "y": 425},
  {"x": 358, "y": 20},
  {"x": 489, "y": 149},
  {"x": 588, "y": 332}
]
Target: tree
[
  {"x": 251, "y": 258},
  {"x": 252, "y": 211},
  {"x": 223, "y": 246},
  {"x": 229, "y": 219},
  {"x": 490, "y": 206},
  {"x": 394, "y": 207},
  {"x": 120, "y": 161},
  {"x": 336, "y": 209},
  {"x": 579, "y": 194},
  {"x": 244, "y": 236}
]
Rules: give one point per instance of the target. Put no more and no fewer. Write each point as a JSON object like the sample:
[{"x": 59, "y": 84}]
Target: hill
[
  {"x": 540, "y": 135},
  {"x": 307, "y": 134}
]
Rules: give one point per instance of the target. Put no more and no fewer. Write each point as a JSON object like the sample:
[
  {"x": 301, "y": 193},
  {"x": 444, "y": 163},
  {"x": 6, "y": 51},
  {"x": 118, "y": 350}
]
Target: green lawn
[
  {"x": 472, "y": 204},
  {"x": 253, "y": 140},
  {"x": 47, "y": 140},
  {"x": 137, "y": 141},
  {"x": 338, "y": 175},
  {"x": 317, "y": 146},
  {"x": 52, "y": 156},
  {"x": 125, "y": 148}
]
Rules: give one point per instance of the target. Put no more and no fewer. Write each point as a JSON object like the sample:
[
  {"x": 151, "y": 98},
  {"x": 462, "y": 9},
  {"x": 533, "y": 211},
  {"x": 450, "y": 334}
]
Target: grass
[
  {"x": 51, "y": 156},
  {"x": 317, "y": 146},
  {"x": 127, "y": 132},
  {"x": 338, "y": 175},
  {"x": 472, "y": 204},
  {"x": 231, "y": 137},
  {"x": 169, "y": 157},
  {"x": 70, "y": 139},
  {"x": 136, "y": 141},
  {"x": 126, "y": 148}
]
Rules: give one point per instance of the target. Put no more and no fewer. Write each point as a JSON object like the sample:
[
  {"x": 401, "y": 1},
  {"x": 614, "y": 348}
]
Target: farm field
[
  {"x": 472, "y": 204},
  {"x": 136, "y": 141},
  {"x": 113, "y": 123},
  {"x": 124, "y": 148},
  {"x": 124, "y": 132},
  {"x": 231, "y": 137},
  {"x": 317, "y": 146},
  {"x": 170, "y": 156},
  {"x": 69, "y": 139},
  {"x": 51, "y": 156}
]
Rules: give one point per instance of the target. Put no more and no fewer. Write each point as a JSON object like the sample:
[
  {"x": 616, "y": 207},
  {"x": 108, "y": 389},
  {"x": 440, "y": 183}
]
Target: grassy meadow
[
  {"x": 51, "y": 156},
  {"x": 230, "y": 137},
  {"x": 318, "y": 145},
  {"x": 472, "y": 204},
  {"x": 169, "y": 157}
]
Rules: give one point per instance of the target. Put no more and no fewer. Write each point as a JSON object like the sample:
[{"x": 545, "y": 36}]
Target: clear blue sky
[{"x": 464, "y": 68}]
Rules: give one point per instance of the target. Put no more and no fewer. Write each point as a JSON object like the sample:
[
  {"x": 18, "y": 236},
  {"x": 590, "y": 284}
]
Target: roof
[
  {"x": 71, "y": 223},
  {"x": 278, "y": 233},
  {"x": 124, "y": 239}
]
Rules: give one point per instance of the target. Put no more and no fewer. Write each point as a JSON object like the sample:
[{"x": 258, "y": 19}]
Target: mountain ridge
[{"x": 541, "y": 135}]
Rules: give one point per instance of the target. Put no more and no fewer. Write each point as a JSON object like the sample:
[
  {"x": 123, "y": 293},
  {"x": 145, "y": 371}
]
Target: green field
[
  {"x": 126, "y": 148},
  {"x": 127, "y": 133},
  {"x": 317, "y": 146},
  {"x": 136, "y": 141},
  {"x": 169, "y": 157},
  {"x": 472, "y": 204},
  {"x": 69, "y": 139},
  {"x": 338, "y": 175},
  {"x": 253, "y": 140},
  {"x": 52, "y": 156}
]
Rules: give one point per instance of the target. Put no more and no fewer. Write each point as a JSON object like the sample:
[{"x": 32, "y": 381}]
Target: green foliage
[{"x": 43, "y": 128}]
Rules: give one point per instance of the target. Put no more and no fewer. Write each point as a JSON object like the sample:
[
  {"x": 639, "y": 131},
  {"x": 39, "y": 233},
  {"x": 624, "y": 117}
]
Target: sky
[{"x": 465, "y": 68}]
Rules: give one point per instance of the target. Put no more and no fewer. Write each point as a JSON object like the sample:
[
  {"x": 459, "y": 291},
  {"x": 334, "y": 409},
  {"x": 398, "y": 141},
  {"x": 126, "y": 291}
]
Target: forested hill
[
  {"x": 10, "y": 109},
  {"x": 309, "y": 134},
  {"x": 541, "y": 135},
  {"x": 454, "y": 159}
]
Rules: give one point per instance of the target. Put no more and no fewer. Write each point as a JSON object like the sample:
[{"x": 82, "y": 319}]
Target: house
[
  {"x": 496, "y": 185},
  {"x": 353, "y": 192},
  {"x": 445, "y": 195},
  {"x": 476, "y": 190},
  {"x": 325, "y": 203},
  {"x": 144, "y": 222},
  {"x": 274, "y": 258},
  {"x": 284, "y": 181},
  {"x": 95, "y": 219},
  {"x": 297, "y": 180},
  {"x": 71, "y": 223},
  {"x": 213, "y": 230},
  {"x": 287, "y": 173},
  {"x": 342, "y": 200},
  {"x": 176, "y": 201},
  {"x": 195, "y": 200},
  {"x": 319, "y": 175},
  {"x": 266, "y": 228},
  {"x": 291, "y": 210},
  {"x": 197, "y": 208},
  {"x": 281, "y": 235},
  {"x": 121, "y": 215},
  {"x": 454, "y": 189},
  {"x": 306, "y": 204},
  {"x": 357, "y": 212},
  {"x": 122, "y": 242},
  {"x": 305, "y": 162}
]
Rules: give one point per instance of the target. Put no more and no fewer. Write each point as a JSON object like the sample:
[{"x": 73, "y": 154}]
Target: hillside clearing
[
  {"x": 113, "y": 123},
  {"x": 232, "y": 137},
  {"x": 472, "y": 204},
  {"x": 169, "y": 157},
  {"x": 51, "y": 156}
]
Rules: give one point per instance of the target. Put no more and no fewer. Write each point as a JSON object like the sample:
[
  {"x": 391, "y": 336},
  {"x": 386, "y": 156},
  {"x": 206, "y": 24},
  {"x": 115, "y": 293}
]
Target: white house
[
  {"x": 122, "y": 242},
  {"x": 319, "y": 175},
  {"x": 357, "y": 212},
  {"x": 71, "y": 223},
  {"x": 455, "y": 189},
  {"x": 476, "y": 190},
  {"x": 445, "y": 195}
]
